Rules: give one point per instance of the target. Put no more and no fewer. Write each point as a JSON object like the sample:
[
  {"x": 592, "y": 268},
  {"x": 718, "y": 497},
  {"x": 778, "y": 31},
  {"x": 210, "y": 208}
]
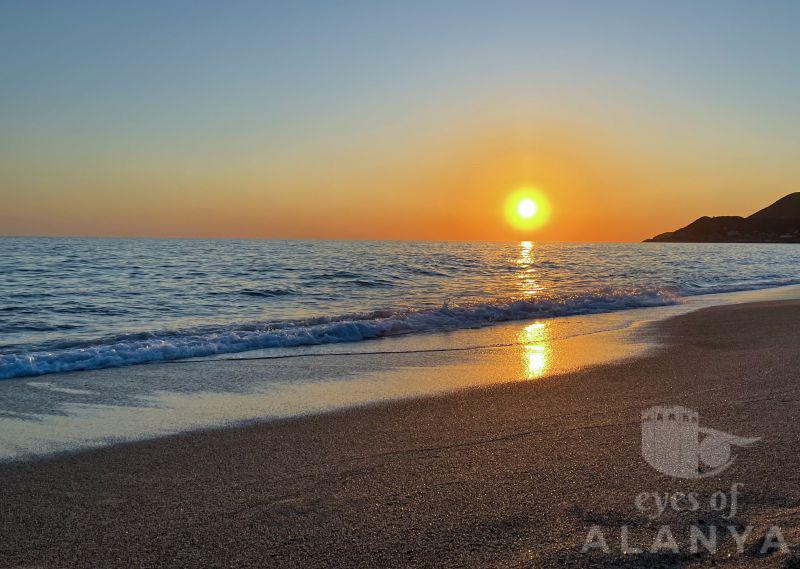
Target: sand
[{"x": 512, "y": 475}]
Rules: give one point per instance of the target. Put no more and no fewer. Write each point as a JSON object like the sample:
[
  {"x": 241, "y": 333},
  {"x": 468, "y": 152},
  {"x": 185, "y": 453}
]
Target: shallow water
[{"x": 94, "y": 408}]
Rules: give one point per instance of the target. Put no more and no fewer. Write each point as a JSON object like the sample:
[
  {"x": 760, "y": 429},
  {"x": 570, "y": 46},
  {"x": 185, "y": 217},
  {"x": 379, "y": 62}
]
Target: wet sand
[{"x": 509, "y": 475}]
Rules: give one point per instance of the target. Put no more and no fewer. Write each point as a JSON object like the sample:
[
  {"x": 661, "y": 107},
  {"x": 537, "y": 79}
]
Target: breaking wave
[{"x": 206, "y": 341}]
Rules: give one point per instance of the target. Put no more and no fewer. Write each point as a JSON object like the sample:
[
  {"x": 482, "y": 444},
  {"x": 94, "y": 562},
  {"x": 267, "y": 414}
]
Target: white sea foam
[{"x": 137, "y": 349}]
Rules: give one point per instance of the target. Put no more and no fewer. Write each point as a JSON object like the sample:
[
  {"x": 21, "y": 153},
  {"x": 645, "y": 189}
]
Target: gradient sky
[{"x": 405, "y": 120}]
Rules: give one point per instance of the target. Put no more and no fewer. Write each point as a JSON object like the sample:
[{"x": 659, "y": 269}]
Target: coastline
[
  {"x": 506, "y": 475},
  {"x": 69, "y": 412}
]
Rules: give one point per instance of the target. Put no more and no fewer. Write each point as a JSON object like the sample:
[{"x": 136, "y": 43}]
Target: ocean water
[{"x": 69, "y": 304}]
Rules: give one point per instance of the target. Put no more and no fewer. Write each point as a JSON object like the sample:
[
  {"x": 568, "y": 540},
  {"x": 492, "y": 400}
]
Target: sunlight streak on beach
[{"x": 535, "y": 350}]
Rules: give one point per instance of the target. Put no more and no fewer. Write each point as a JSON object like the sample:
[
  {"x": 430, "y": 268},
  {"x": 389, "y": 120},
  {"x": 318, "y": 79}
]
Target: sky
[{"x": 401, "y": 120}]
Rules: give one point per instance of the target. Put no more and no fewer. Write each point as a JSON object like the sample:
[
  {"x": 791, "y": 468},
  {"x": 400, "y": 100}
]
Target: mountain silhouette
[{"x": 777, "y": 223}]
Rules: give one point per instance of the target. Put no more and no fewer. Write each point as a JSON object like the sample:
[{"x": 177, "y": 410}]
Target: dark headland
[{"x": 777, "y": 223}]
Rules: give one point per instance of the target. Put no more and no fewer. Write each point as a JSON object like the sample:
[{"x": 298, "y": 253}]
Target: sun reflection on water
[
  {"x": 527, "y": 273},
  {"x": 535, "y": 350}
]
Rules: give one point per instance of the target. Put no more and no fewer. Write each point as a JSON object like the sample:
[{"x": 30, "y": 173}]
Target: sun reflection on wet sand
[{"x": 535, "y": 350}]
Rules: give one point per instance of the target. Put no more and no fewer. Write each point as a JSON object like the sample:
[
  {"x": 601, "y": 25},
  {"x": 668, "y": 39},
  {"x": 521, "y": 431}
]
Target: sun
[{"x": 527, "y": 209}]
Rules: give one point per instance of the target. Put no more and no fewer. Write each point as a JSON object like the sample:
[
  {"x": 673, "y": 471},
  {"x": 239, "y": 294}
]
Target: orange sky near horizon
[{"x": 427, "y": 187}]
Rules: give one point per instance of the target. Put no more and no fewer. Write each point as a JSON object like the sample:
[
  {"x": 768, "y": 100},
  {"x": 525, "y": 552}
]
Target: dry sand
[{"x": 511, "y": 475}]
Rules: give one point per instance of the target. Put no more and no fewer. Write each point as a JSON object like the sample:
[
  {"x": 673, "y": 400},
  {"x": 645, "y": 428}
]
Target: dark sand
[{"x": 508, "y": 476}]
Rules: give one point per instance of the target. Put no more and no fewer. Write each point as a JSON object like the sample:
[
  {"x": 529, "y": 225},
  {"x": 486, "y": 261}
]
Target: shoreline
[
  {"x": 508, "y": 475},
  {"x": 70, "y": 412}
]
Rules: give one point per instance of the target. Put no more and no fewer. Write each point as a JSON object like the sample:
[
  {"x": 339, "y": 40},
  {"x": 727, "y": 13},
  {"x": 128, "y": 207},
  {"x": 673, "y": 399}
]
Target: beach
[
  {"x": 507, "y": 475},
  {"x": 380, "y": 284}
]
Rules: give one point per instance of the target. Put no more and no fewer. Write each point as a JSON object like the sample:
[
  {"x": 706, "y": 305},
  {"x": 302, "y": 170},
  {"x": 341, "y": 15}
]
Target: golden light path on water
[{"x": 527, "y": 271}]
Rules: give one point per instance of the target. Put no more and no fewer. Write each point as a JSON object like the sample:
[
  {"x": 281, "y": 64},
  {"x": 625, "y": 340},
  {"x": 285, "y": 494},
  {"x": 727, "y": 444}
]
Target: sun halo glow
[{"x": 527, "y": 209}]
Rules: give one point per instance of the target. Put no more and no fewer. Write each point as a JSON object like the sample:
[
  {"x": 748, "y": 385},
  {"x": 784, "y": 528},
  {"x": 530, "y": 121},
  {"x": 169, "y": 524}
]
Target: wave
[
  {"x": 37, "y": 327},
  {"x": 198, "y": 342},
  {"x": 150, "y": 347},
  {"x": 697, "y": 289},
  {"x": 268, "y": 292},
  {"x": 379, "y": 283}
]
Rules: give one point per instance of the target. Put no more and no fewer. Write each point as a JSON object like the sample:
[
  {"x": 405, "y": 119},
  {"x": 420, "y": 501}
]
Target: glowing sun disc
[{"x": 527, "y": 209}]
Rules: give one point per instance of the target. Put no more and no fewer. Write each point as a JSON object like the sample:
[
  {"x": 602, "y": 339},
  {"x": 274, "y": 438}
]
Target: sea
[{"x": 76, "y": 304}]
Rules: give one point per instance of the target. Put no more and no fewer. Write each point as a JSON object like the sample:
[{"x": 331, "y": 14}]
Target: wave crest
[{"x": 199, "y": 342}]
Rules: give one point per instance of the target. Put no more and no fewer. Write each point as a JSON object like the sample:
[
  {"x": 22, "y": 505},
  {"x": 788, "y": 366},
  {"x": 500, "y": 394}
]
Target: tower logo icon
[{"x": 671, "y": 443}]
